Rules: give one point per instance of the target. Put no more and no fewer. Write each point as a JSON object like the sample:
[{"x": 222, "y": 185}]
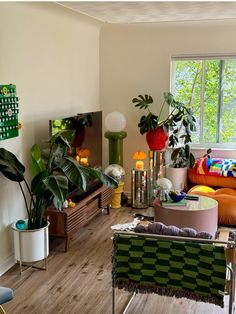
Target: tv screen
[{"x": 87, "y": 143}]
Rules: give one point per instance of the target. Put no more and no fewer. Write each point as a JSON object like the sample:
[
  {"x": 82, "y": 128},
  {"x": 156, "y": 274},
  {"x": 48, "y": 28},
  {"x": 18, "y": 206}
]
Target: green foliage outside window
[{"x": 208, "y": 87}]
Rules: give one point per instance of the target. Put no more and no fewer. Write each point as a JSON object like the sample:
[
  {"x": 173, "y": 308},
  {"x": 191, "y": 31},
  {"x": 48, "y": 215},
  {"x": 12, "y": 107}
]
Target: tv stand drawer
[{"x": 64, "y": 223}]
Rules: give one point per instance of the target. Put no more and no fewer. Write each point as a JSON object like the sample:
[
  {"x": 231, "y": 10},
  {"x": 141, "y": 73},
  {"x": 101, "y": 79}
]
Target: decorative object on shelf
[
  {"x": 9, "y": 110},
  {"x": 139, "y": 156},
  {"x": 115, "y": 123},
  {"x": 176, "y": 196},
  {"x": 116, "y": 172},
  {"x": 139, "y": 180},
  {"x": 162, "y": 188},
  {"x": 156, "y": 171},
  {"x": 70, "y": 203},
  {"x": 82, "y": 156},
  {"x": 21, "y": 224},
  {"x": 180, "y": 117}
]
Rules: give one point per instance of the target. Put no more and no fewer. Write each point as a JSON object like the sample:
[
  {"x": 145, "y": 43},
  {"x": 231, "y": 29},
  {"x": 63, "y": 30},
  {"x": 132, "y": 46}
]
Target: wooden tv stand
[{"x": 64, "y": 223}]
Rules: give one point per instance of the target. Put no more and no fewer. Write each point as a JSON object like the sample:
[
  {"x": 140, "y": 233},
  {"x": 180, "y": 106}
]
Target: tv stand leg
[{"x": 66, "y": 243}]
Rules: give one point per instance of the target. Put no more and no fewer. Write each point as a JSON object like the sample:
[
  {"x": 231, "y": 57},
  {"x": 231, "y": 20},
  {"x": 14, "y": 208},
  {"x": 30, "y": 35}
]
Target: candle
[
  {"x": 139, "y": 165},
  {"x": 84, "y": 161}
]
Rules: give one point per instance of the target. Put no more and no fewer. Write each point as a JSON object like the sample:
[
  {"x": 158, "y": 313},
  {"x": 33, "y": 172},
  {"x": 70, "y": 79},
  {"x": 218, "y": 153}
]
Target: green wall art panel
[{"x": 9, "y": 110}]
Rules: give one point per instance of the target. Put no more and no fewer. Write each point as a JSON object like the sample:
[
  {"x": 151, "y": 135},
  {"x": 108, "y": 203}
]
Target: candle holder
[
  {"x": 139, "y": 189},
  {"x": 156, "y": 171}
]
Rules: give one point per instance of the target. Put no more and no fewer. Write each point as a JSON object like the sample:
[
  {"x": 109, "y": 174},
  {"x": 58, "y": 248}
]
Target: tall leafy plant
[
  {"x": 52, "y": 175},
  {"x": 180, "y": 117}
]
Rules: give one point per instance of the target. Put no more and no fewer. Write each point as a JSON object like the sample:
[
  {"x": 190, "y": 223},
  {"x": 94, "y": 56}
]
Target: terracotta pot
[{"x": 157, "y": 139}]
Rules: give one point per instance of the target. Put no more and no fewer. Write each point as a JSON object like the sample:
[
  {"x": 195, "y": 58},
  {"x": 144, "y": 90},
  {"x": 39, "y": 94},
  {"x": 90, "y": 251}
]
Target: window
[{"x": 208, "y": 86}]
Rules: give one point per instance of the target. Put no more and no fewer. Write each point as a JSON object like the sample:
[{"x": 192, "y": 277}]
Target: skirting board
[{"x": 7, "y": 264}]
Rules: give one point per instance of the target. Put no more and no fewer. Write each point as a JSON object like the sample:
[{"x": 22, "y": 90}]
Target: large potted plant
[
  {"x": 181, "y": 159},
  {"x": 52, "y": 176},
  {"x": 156, "y": 127}
]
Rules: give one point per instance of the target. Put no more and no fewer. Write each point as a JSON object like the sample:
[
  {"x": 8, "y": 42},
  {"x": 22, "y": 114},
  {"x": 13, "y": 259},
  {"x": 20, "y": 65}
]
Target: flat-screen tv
[{"x": 87, "y": 143}]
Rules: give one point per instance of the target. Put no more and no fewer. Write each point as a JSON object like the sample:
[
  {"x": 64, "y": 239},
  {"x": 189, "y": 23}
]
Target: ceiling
[{"x": 152, "y": 12}]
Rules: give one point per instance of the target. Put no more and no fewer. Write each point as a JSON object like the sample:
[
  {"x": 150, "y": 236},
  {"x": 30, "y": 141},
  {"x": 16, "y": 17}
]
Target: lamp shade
[
  {"x": 84, "y": 152},
  {"x": 139, "y": 155},
  {"x": 115, "y": 121}
]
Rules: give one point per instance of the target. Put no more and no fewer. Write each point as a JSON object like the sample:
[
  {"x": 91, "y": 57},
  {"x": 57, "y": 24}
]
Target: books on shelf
[{"x": 181, "y": 203}]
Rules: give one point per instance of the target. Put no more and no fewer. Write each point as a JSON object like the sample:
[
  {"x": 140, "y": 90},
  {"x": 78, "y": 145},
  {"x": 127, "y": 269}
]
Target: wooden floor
[{"x": 79, "y": 281}]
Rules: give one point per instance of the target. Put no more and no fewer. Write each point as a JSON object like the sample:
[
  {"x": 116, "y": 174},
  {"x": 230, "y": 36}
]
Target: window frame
[{"x": 222, "y": 58}]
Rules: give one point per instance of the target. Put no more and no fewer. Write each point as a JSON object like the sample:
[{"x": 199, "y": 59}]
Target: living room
[{"x": 64, "y": 62}]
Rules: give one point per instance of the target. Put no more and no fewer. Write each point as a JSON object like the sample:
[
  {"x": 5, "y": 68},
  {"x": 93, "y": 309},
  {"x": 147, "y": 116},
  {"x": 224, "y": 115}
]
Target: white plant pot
[
  {"x": 31, "y": 245},
  {"x": 178, "y": 177}
]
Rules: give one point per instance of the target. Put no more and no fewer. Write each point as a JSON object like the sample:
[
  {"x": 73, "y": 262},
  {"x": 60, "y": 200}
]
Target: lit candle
[
  {"x": 84, "y": 161},
  {"x": 139, "y": 165}
]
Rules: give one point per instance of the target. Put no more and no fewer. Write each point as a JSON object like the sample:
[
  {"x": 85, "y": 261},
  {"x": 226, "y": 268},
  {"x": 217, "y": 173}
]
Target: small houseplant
[
  {"x": 51, "y": 176},
  {"x": 182, "y": 157},
  {"x": 176, "y": 172},
  {"x": 180, "y": 117}
]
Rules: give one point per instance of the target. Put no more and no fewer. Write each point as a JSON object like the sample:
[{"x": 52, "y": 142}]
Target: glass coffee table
[{"x": 201, "y": 214}]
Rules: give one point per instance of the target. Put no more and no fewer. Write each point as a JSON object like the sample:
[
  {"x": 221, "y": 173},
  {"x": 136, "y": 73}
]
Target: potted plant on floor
[
  {"x": 51, "y": 179},
  {"x": 181, "y": 160},
  {"x": 156, "y": 127}
]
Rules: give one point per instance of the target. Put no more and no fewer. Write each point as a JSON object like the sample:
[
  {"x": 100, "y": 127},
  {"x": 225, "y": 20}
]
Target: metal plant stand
[
  {"x": 139, "y": 179},
  {"x": 156, "y": 171}
]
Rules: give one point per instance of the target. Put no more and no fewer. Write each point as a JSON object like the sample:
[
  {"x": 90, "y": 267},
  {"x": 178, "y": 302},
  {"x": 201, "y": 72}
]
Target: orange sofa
[{"x": 220, "y": 188}]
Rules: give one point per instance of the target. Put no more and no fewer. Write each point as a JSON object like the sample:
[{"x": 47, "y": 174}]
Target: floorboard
[{"x": 79, "y": 281}]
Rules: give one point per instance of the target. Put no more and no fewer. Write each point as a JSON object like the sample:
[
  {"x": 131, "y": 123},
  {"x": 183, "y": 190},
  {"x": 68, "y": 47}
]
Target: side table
[{"x": 201, "y": 215}]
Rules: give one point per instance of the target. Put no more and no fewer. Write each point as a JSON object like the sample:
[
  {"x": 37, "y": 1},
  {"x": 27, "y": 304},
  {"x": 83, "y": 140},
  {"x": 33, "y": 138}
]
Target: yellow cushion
[{"x": 226, "y": 198}]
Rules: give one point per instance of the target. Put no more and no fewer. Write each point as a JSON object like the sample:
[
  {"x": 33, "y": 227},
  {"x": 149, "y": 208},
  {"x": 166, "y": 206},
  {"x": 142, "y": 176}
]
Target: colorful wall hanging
[{"x": 9, "y": 110}]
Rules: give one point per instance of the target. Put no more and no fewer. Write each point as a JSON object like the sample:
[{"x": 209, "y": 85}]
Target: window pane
[
  {"x": 187, "y": 88},
  {"x": 211, "y": 100},
  {"x": 208, "y": 87},
  {"x": 228, "y": 134}
]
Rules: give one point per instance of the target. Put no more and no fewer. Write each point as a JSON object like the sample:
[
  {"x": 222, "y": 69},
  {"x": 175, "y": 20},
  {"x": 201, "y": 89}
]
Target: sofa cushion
[
  {"x": 219, "y": 181},
  {"x": 226, "y": 199}
]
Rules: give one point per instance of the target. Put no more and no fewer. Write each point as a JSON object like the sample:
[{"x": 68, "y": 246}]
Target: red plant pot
[{"x": 157, "y": 139}]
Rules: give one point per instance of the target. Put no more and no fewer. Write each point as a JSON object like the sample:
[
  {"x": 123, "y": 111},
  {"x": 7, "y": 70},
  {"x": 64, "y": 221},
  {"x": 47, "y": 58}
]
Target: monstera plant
[
  {"x": 52, "y": 174},
  {"x": 180, "y": 118}
]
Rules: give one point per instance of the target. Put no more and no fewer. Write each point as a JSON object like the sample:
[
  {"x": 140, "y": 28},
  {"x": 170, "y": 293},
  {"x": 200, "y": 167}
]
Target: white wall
[
  {"x": 135, "y": 59},
  {"x": 52, "y": 55}
]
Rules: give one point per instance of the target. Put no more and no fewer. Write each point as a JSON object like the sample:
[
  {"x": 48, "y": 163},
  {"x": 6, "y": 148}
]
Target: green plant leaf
[
  {"x": 10, "y": 166},
  {"x": 63, "y": 137},
  {"x": 143, "y": 102},
  {"x": 37, "y": 185},
  {"x": 168, "y": 98},
  {"x": 191, "y": 160},
  {"x": 105, "y": 179},
  {"x": 58, "y": 185},
  {"x": 37, "y": 164},
  {"x": 77, "y": 174}
]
